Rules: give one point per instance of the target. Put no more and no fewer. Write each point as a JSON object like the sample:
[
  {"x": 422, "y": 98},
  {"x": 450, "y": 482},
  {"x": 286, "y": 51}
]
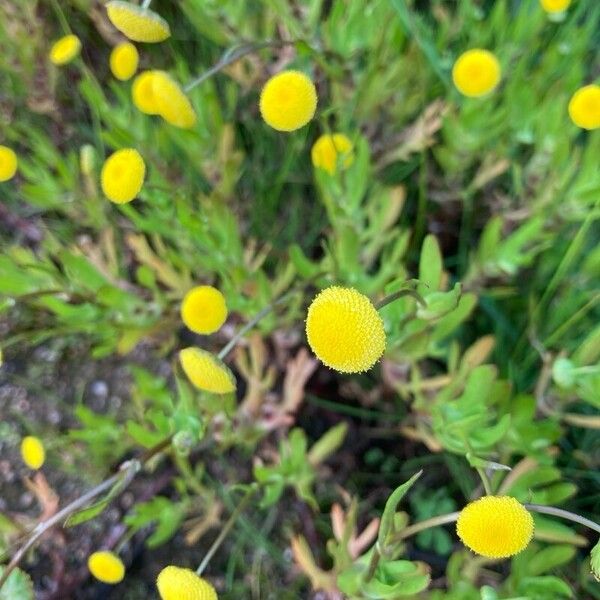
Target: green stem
[
  {"x": 400, "y": 294},
  {"x": 226, "y": 529},
  {"x": 487, "y": 486},
  {"x": 375, "y": 557},
  {"x": 563, "y": 514},
  {"x": 427, "y": 524}
]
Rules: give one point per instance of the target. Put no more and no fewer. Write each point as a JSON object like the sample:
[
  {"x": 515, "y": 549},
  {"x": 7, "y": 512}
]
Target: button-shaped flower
[
  {"x": 206, "y": 372},
  {"x": 65, "y": 49},
  {"x": 122, "y": 175},
  {"x": 175, "y": 583},
  {"x": 124, "y": 60},
  {"x": 555, "y": 6},
  {"x": 288, "y": 101},
  {"x": 32, "y": 452},
  {"x": 142, "y": 93},
  {"x": 8, "y": 163},
  {"x": 137, "y": 23},
  {"x": 584, "y": 107},
  {"x": 106, "y": 567},
  {"x": 345, "y": 330},
  {"x": 476, "y": 73},
  {"x": 495, "y": 526},
  {"x": 203, "y": 309},
  {"x": 172, "y": 103},
  {"x": 329, "y": 151}
]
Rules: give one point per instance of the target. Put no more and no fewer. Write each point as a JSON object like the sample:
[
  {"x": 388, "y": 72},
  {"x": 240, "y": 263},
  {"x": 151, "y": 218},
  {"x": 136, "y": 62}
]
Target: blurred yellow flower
[
  {"x": 65, "y": 49},
  {"x": 203, "y": 309},
  {"x": 476, "y": 72},
  {"x": 106, "y": 567},
  {"x": 584, "y": 107},
  {"x": 173, "y": 105},
  {"x": 8, "y": 163},
  {"x": 288, "y": 101},
  {"x": 328, "y": 149},
  {"x": 137, "y": 23},
  {"x": 32, "y": 452},
  {"x": 554, "y": 6},
  {"x": 122, "y": 175},
  {"x": 124, "y": 60},
  {"x": 345, "y": 330},
  {"x": 206, "y": 372},
  {"x": 142, "y": 93},
  {"x": 175, "y": 583},
  {"x": 495, "y": 526}
]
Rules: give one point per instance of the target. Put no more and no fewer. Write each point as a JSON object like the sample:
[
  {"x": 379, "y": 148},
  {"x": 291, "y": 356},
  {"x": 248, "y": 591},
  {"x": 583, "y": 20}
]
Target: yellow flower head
[
  {"x": 122, "y": 175},
  {"x": 476, "y": 73},
  {"x": 345, "y": 330},
  {"x": 555, "y": 6},
  {"x": 206, "y": 372},
  {"x": 329, "y": 149},
  {"x": 32, "y": 452},
  {"x": 175, "y": 583},
  {"x": 124, "y": 60},
  {"x": 495, "y": 526},
  {"x": 8, "y": 163},
  {"x": 142, "y": 93},
  {"x": 288, "y": 101},
  {"x": 65, "y": 50},
  {"x": 137, "y": 23},
  {"x": 172, "y": 104},
  {"x": 203, "y": 309},
  {"x": 584, "y": 107},
  {"x": 106, "y": 566}
]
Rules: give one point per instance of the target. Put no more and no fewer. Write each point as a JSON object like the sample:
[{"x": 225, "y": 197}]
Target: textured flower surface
[
  {"x": 172, "y": 104},
  {"x": 124, "y": 60},
  {"x": 8, "y": 163},
  {"x": 329, "y": 151},
  {"x": 345, "y": 330},
  {"x": 106, "y": 566},
  {"x": 206, "y": 371},
  {"x": 554, "y": 6},
  {"x": 175, "y": 583},
  {"x": 32, "y": 452},
  {"x": 122, "y": 175},
  {"x": 142, "y": 93},
  {"x": 495, "y": 526},
  {"x": 137, "y": 23},
  {"x": 203, "y": 309},
  {"x": 288, "y": 101},
  {"x": 476, "y": 72},
  {"x": 584, "y": 107},
  {"x": 63, "y": 51}
]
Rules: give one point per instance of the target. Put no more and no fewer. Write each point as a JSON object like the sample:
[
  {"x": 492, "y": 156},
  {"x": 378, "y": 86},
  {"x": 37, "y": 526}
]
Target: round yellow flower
[
  {"x": 495, "y": 526},
  {"x": 206, "y": 372},
  {"x": 345, "y": 330},
  {"x": 555, "y": 6},
  {"x": 122, "y": 175},
  {"x": 142, "y": 93},
  {"x": 32, "y": 452},
  {"x": 584, "y": 107},
  {"x": 8, "y": 163},
  {"x": 172, "y": 104},
  {"x": 328, "y": 149},
  {"x": 137, "y": 23},
  {"x": 175, "y": 583},
  {"x": 124, "y": 60},
  {"x": 288, "y": 101},
  {"x": 203, "y": 309},
  {"x": 476, "y": 73},
  {"x": 106, "y": 566},
  {"x": 63, "y": 51}
]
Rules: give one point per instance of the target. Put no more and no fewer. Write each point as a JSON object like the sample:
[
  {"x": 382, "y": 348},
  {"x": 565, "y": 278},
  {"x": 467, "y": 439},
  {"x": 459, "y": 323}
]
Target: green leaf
[
  {"x": 387, "y": 519},
  {"x": 328, "y": 443},
  {"x": 18, "y": 586},
  {"x": 595, "y": 560},
  {"x": 439, "y": 303},
  {"x": 430, "y": 265},
  {"x": 549, "y": 558},
  {"x": 546, "y": 586}
]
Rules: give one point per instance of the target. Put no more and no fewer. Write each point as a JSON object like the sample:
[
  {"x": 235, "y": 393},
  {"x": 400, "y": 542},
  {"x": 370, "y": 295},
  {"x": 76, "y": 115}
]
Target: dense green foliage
[{"x": 484, "y": 211}]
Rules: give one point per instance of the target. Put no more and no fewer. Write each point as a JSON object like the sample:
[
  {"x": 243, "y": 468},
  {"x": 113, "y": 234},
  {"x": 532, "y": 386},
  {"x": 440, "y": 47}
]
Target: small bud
[{"x": 183, "y": 442}]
